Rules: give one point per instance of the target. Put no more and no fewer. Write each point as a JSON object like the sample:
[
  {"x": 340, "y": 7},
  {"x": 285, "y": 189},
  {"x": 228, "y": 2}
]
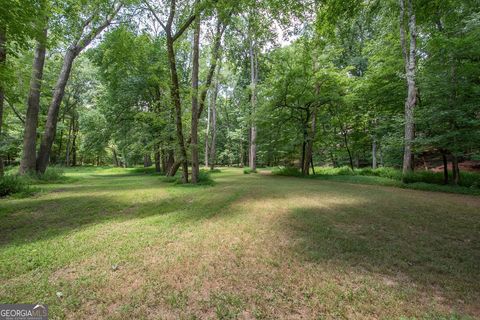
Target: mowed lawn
[{"x": 119, "y": 244}]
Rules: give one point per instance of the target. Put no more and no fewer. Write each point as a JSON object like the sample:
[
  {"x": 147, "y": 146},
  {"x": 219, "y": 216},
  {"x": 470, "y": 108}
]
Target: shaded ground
[{"x": 251, "y": 246}]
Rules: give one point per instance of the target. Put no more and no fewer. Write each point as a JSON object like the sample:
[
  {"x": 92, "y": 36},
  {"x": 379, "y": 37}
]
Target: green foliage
[
  {"x": 287, "y": 171},
  {"x": 13, "y": 184},
  {"x": 467, "y": 179},
  {"x": 248, "y": 171}
]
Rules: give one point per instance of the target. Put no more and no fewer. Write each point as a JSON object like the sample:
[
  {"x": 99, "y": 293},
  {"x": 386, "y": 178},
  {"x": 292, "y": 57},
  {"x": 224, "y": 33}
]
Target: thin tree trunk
[
  {"x": 445, "y": 167},
  {"x": 207, "y": 132},
  {"x": 410, "y": 69},
  {"x": 74, "y": 143},
  {"x": 175, "y": 93},
  {"x": 310, "y": 142},
  {"x": 67, "y": 150},
  {"x": 115, "y": 158},
  {"x": 214, "y": 124},
  {"x": 455, "y": 170},
  {"x": 157, "y": 158},
  {"x": 3, "y": 58},
  {"x": 344, "y": 133},
  {"x": 28, "y": 161},
  {"x": 374, "y": 153},
  {"x": 194, "y": 124},
  {"x": 253, "y": 128}
]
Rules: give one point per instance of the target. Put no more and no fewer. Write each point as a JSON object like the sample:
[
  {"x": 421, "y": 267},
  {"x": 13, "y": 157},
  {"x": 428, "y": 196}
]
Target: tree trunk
[
  {"x": 157, "y": 158},
  {"x": 214, "y": 125},
  {"x": 175, "y": 93},
  {"x": 445, "y": 168},
  {"x": 51, "y": 124},
  {"x": 455, "y": 170},
  {"x": 207, "y": 132},
  {"x": 28, "y": 161},
  {"x": 194, "y": 125},
  {"x": 74, "y": 144},
  {"x": 115, "y": 158},
  {"x": 253, "y": 128},
  {"x": 3, "y": 58},
  {"x": 310, "y": 142},
  {"x": 344, "y": 133},
  {"x": 69, "y": 139},
  {"x": 410, "y": 69},
  {"x": 374, "y": 153}
]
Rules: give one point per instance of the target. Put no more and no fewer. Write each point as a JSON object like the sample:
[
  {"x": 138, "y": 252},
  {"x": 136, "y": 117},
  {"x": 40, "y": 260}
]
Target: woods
[{"x": 301, "y": 84}]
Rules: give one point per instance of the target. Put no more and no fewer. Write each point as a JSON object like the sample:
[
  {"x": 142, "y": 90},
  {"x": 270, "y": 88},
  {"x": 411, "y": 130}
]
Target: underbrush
[
  {"x": 287, "y": 171},
  {"x": 14, "y": 185},
  {"x": 423, "y": 180},
  {"x": 51, "y": 175},
  {"x": 204, "y": 179},
  {"x": 248, "y": 171}
]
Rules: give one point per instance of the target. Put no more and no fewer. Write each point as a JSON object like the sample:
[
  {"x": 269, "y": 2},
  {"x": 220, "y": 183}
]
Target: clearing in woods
[{"x": 118, "y": 243}]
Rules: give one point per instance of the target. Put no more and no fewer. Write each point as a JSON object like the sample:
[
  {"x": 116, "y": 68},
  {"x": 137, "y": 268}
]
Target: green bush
[
  {"x": 330, "y": 171},
  {"x": 467, "y": 179},
  {"x": 287, "y": 171},
  {"x": 51, "y": 175},
  {"x": 13, "y": 184},
  {"x": 248, "y": 171},
  {"x": 204, "y": 178}
]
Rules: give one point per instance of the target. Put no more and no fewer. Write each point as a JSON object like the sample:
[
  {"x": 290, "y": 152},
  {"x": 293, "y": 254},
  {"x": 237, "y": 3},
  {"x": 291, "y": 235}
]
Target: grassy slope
[{"x": 250, "y": 246}]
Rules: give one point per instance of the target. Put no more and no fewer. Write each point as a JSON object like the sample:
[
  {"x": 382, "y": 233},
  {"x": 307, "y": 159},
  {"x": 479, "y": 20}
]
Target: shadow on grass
[
  {"x": 80, "y": 206},
  {"x": 435, "y": 249}
]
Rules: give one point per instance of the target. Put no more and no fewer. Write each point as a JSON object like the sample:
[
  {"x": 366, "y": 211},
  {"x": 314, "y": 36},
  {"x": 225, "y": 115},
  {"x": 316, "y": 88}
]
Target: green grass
[
  {"x": 248, "y": 246},
  {"x": 419, "y": 180}
]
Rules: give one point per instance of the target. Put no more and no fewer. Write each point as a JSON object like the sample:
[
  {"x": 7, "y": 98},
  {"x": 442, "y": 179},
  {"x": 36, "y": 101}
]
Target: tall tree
[
  {"x": 88, "y": 33},
  {"x": 409, "y": 57},
  {"x": 175, "y": 85},
  {"x": 28, "y": 161},
  {"x": 194, "y": 126}
]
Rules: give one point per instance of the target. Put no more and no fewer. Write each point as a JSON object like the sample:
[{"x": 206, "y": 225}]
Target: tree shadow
[
  {"x": 65, "y": 210},
  {"x": 436, "y": 248}
]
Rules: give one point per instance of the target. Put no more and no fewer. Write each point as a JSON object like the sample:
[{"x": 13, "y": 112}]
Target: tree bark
[
  {"x": 158, "y": 159},
  {"x": 28, "y": 161},
  {"x": 344, "y": 133},
  {"x": 253, "y": 128},
  {"x": 410, "y": 70},
  {"x": 214, "y": 125},
  {"x": 194, "y": 124},
  {"x": 3, "y": 58},
  {"x": 69, "y": 139},
  {"x": 207, "y": 135},
  {"x": 74, "y": 143},
  {"x": 455, "y": 170},
  {"x": 374, "y": 153},
  {"x": 52, "y": 115},
  {"x": 175, "y": 93},
  {"x": 310, "y": 143},
  {"x": 115, "y": 158},
  {"x": 445, "y": 167}
]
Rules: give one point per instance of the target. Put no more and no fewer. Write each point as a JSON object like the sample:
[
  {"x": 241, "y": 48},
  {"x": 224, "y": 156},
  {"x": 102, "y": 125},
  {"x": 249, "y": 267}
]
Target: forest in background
[{"x": 185, "y": 84}]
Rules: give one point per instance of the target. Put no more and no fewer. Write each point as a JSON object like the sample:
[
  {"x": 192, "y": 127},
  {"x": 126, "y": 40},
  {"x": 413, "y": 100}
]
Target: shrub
[
  {"x": 13, "y": 184},
  {"x": 330, "y": 171},
  {"x": 204, "y": 178},
  {"x": 287, "y": 171},
  {"x": 248, "y": 171},
  {"x": 51, "y": 175}
]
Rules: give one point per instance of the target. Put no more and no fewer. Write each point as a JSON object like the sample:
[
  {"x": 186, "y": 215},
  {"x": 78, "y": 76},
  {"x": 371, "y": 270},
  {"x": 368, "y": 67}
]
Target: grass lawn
[{"x": 250, "y": 246}]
